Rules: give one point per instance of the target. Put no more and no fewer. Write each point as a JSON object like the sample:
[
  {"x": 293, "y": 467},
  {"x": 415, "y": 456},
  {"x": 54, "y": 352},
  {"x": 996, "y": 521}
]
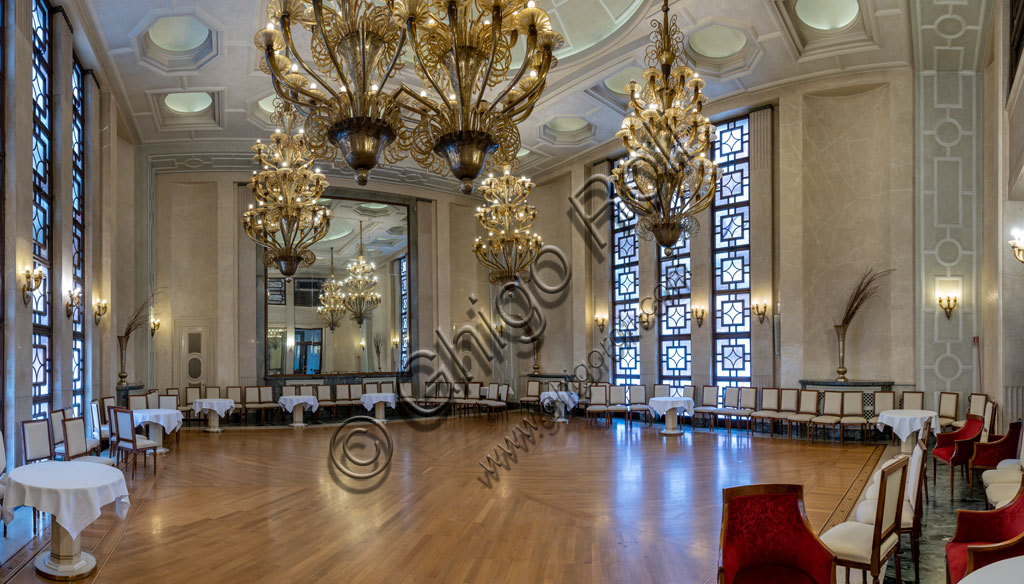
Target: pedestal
[
  {"x": 560, "y": 412},
  {"x": 907, "y": 446},
  {"x": 297, "y": 416},
  {"x": 156, "y": 434},
  {"x": 378, "y": 411},
  {"x": 66, "y": 560},
  {"x": 212, "y": 422},
  {"x": 671, "y": 426}
]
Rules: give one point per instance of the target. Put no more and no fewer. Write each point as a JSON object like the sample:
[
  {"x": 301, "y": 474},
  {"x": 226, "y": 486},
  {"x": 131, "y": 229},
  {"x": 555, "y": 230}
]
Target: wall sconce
[
  {"x": 698, "y": 315},
  {"x": 648, "y": 317},
  {"x": 154, "y": 325},
  {"x": 362, "y": 344},
  {"x": 499, "y": 328},
  {"x": 760, "y": 310},
  {"x": 948, "y": 305},
  {"x": 74, "y": 301},
  {"x": 600, "y": 321},
  {"x": 33, "y": 279},
  {"x": 394, "y": 342},
  {"x": 1017, "y": 243},
  {"x": 646, "y": 320},
  {"x": 99, "y": 308}
]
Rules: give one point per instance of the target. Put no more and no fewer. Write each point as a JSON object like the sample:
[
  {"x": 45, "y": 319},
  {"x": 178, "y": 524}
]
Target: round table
[
  {"x": 906, "y": 423},
  {"x": 214, "y": 408},
  {"x": 158, "y": 421},
  {"x": 1005, "y": 572},
  {"x": 73, "y": 493},
  {"x": 561, "y": 399},
  {"x": 668, "y": 406},
  {"x": 377, "y": 401},
  {"x": 295, "y": 405}
]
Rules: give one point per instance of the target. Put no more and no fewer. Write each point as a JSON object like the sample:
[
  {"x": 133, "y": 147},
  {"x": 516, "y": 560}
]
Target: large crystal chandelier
[
  {"x": 509, "y": 247},
  {"x": 286, "y": 218},
  {"x": 463, "y": 52},
  {"x": 668, "y": 176},
  {"x": 360, "y": 300},
  {"x": 332, "y": 303},
  {"x": 353, "y": 48}
]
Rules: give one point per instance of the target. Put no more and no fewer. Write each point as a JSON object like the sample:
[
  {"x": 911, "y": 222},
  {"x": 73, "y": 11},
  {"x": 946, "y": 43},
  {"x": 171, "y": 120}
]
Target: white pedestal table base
[
  {"x": 212, "y": 422},
  {"x": 671, "y": 425},
  {"x": 156, "y": 434},
  {"x": 66, "y": 560},
  {"x": 297, "y": 416}
]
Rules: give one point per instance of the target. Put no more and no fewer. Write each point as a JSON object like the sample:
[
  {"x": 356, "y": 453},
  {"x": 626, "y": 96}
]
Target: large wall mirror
[{"x": 299, "y": 342}]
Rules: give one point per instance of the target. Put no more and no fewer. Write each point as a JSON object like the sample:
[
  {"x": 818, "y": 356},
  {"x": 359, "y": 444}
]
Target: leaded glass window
[
  {"x": 42, "y": 209},
  {"x": 674, "y": 323},
  {"x": 625, "y": 295},
  {"x": 77, "y": 235},
  {"x": 403, "y": 311}
]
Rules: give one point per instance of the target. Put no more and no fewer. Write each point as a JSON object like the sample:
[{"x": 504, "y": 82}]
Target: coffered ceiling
[{"x": 150, "y": 50}]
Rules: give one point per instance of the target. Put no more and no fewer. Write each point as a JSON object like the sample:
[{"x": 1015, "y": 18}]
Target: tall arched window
[
  {"x": 674, "y": 349},
  {"x": 78, "y": 234},
  {"x": 625, "y": 293}
]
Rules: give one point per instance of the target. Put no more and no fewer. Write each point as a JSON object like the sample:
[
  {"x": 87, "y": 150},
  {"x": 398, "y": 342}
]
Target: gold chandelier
[
  {"x": 668, "y": 176},
  {"x": 286, "y": 219},
  {"x": 354, "y": 49},
  {"x": 332, "y": 304},
  {"x": 462, "y": 50},
  {"x": 509, "y": 247},
  {"x": 360, "y": 300}
]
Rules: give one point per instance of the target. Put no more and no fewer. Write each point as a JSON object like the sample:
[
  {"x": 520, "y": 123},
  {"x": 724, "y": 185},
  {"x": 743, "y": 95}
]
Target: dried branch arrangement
[
  {"x": 378, "y": 344},
  {"x": 139, "y": 317},
  {"x": 866, "y": 289}
]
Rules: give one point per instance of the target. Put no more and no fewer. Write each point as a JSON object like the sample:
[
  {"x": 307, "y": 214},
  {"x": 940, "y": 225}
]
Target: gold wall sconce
[
  {"x": 600, "y": 321},
  {"x": 154, "y": 325},
  {"x": 99, "y": 308},
  {"x": 499, "y": 328},
  {"x": 648, "y": 317},
  {"x": 760, "y": 310},
  {"x": 698, "y": 315},
  {"x": 1017, "y": 243},
  {"x": 394, "y": 342},
  {"x": 74, "y": 301},
  {"x": 646, "y": 320},
  {"x": 948, "y": 305},
  {"x": 33, "y": 279}
]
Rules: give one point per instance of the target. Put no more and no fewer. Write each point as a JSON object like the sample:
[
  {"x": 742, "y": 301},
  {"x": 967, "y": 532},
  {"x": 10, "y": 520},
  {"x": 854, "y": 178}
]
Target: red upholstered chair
[
  {"x": 766, "y": 538},
  {"x": 988, "y": 455},
  {"x": 956, "y": 448},
  {"x": 985, "y": 537}
]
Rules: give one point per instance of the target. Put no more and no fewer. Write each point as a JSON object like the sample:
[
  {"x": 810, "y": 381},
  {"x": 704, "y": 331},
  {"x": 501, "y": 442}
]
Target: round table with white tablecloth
[
  {"x": 158, "y": 422},
  {"x": 1007, "y": 571},
  {"x": 214, "y": 408},
  {"x": 377, "y": 401},
  {"x": 905, "y": 423},
  {"x": 73, "y": 493},
  {"x": 561, "y": 399},
  {"x": 295, "y": 404},
  {"x": 668, "y": 407}
]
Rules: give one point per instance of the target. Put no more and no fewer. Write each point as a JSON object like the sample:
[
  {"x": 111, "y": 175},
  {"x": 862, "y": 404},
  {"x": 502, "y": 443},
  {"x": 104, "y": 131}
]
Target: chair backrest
[
  {"x": 976, "y": 404},
  {"x": 56, "y": 417},
  {"x": 125, "y": 426},
  {"x": 986, "y": 425},
  {"x": 341, "y": 392},
  {"x": 235, "y": 393},
  {"x": 167, "y": 402},
  {"x": 94, "y": 409},
  {"x": 191, "y": 395},
  {"x": 473, "y": 391},
  {"x": 925, "y": 431},
  {"x": 137, "y": 402},
  {"x": 306, "y": 390},
  {"x": 323, "y": 393},
  {"x": 287, "y": 390},
  {"x": 884, "y": 400},
  {"x": 853, "y": 403},
  {"x": 689, "y": 391},
  {"x": 709, "y": 396},
  {"x": 74, "y": 430},
  {"x": 913, "y": 400},
  {"x": 492, "y": 390},
  {"x": 251, "y": 394},
  {"x": 732, "y": 397},
  {"x": 532, "y": 389},
  {"x": 915, "y": 480},
  {"x": 153, "y": 399},
  {"x": 949, "y": 403},
  {"x": 387, "y": 387},
  {"x": 637, "y": 394},
  {"x": 214, "y": 392},
  {"x": 105, "y": 404},
  {"x": 371, "y": 387},
  {"x": 617, "y": 395},
  {"x": 356, "y": 390},
  {"x": 405, "y": 389},
  {"x": 748, "y": 398},
  {"x": 599, "y": 394},
  {"x": 808, "y": 401},
  {"x": 3, "y": 454},
  {"x": 36, "y": 440},
  {"x": 266, "y": 394},
  {"x": 833, "y": 404},
  {"x": 789, "y": 400},
  {"x": 770, "y": 399},
  {"x": 503, "y": 392},
  {"x": 662, "y": 390},
  {"x": 892, "y": 486}
]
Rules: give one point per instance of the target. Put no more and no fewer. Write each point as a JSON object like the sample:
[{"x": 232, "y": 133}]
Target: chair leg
[
  {"x": 915, "y": 552},
  {"x": 970, "y": 479},
  {"x": 952, "y": 479},
  {"x": 899, "y": 564}
]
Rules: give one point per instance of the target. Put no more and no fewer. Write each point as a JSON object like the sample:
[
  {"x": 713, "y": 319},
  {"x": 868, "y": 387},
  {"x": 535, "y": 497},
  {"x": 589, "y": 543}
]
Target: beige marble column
[
  {"x": 61, "y": 254},
  {"x": 762, "y": 289}
]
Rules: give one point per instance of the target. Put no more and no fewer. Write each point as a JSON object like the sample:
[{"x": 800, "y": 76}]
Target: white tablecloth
[
  {"x": 569, "y": 398},
  {"x": 169, "y": 419},
  {"x": 1005, "y": 572},
  {"x": 288, "y": 402},
  {"x": 73, "y": 492},
  {"x": 661, "y": 405},
  {"x": 371, "y": 399},
  {"x": 221, "y": 406},
  {"x": 906, "y": 422}
]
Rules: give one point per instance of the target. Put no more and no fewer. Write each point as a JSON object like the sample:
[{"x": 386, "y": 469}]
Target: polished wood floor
[{"x": 585, "y": 503}]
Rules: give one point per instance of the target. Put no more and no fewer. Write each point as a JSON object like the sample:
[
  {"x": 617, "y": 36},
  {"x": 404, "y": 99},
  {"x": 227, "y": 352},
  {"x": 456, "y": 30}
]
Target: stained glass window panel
[
  {"x": 625, "y": 296},
  {"x": 42, "y": 207}
]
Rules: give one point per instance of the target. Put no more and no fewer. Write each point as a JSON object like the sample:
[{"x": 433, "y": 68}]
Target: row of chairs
[{"x": 466, "y": 397}]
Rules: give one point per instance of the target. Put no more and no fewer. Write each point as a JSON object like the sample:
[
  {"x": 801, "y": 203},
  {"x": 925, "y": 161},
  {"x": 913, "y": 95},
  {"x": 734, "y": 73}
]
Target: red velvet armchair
[
  {"x": 766, "y": 539},
  {"x": 999, "y": 448},
  {"x": 956, "y": 448},
  {"x": 985, "y": 537}
]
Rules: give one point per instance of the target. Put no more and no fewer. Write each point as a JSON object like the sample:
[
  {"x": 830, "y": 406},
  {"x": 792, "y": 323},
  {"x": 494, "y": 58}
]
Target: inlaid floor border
[{"x": 842, "y": 511}]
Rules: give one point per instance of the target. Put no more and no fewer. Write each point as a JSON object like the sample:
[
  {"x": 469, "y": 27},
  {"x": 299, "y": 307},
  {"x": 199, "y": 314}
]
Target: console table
[{"x": 852, "y": 384}]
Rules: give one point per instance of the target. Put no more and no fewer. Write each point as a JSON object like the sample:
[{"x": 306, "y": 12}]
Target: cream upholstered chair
[
  {"x": 306, "y": 390},
  {"x": 405, "y": 390},
  {"x": 598, "y": 401},
  {"x": 769, "y": 410},
  {"x": 137, "y": 402},
  {"x": 617, "y": 401},
  {"x": 214, "y": 392},
  {"x": 662, "y": 390},
  {"x": 105, "y": 404},
  {"x": 387, "y": 387},
  {"x": 912, "y": 400},
  {"x": 191, "y": 395},
  {"x": 287, "y": 390},
  {"x": 789, "y": 403},
  {"x": 98, "y": 431},
  {"x": 975, "y": 405},
  {"x": 707, "y": 404},
  {"x": 250, "y": 401},
  {"x": 1007, "y": 471},
  {"x": 152, "y": 399},
  {"x": 128, "y": 442},
  {"x": 57, "y": 427},
  {"x": 173, "y": 391},
  {"x": 884, "y": 401},
  {"x": 36, "y": 440},
  {"x": 861, "y": 546},
  {"x": 496, "y": 400},
  {"x": 532, "y": 396},
  {"x": 371, "y": 387},
  {"x": 748, "y": 405},
  {"x": 853, "y": 414},
  {"x": 77, "y": 443},
  {"x": 341, "y": 397},
  {"x": 324, "y": 400},
  {"x": 807, "y": 410},
  {"x": 167, "y": 402},
  {"x": 949, "y": 404},
  {"x": 831, "y": 413},
  {"x": 638, "y": 403}
]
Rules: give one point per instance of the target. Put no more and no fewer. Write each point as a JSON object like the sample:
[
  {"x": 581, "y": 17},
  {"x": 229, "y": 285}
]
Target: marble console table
[
  {"x": 853, "y": 384},
  {"x": 122, "y": 392}
]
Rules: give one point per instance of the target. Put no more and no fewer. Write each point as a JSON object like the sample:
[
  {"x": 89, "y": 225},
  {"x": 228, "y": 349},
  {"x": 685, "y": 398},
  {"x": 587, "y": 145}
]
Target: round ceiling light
[
  {"x": 718, "y": 42},
  {"x": 522, "y": 152},
  {"x": 178, "y": 33},
  {"x": 188, "y": 102},
  {"x": 267, "y": 103},
  {"x": 827, "y": 14},
  {"x": 567, "y": 124},
  {"x": 620, "y": 80}
]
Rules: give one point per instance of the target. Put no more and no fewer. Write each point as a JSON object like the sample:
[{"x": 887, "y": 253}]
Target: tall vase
[
  {"x": 122, "y": 375},
  {"x": 841, "y": 336}
]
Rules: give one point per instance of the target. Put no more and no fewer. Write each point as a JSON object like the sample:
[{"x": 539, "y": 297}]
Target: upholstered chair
[
  {"x": 956, "y": 448},
  {"x": 617, "y": 402},
  {"x": 985, "y": 537},
  {"x": 831, "y": 413},
  {"x": 853, "y": 414},
  {"x": 128, "y": 442},
  {"x": 913, "y": 400},
  {"x": 975, "y": 405},
  {"x": 638, "y": 403},
  {"x": 988, "y": 455},
  {"x": 77, "y": 443},
  {"x": 598, "y": 401},
  {"x": 532, "y": 396},
  {"x": 707, "y": 404},
  {"x": 949, "y": 404},
  {"x": 884, "y": 401},
  {"x": 808, "y": 409}
]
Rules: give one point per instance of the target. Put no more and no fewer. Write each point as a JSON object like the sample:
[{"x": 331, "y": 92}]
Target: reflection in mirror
[{"x": 299, "y": 342}]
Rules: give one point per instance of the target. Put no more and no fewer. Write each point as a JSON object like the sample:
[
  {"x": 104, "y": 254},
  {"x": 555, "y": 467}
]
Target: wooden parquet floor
[{"x": 585, "y": 503}]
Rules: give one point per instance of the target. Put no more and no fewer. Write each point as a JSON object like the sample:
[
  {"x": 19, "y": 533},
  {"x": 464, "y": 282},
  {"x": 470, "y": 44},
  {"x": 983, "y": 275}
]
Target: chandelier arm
[
  {"x": 531, "y": 47},
  {"x": 419, "y": 61},
  {"x": 533, "y": 95},
  {"x": 318, "y": 9},
  {"x": 668, "y": 155},
  {"x": 278, "y": 81},
  {"x": 394, "y": 60},
  {"x": 286, "y": 29},
  {"x": 404, "y": 90},
  {"x": 452, "y": 22},
  {"x": 495, "y": 27}
]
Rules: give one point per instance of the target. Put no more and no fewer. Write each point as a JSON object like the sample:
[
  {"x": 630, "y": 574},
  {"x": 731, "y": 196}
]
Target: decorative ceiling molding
[
  {"x": 950, "y": 36},
  {"x": 735, "y": 65},
  {"x": 177, "y": 62},
  {"x": 211, "y": 118},
  {"x": 808, "y": 43}
]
